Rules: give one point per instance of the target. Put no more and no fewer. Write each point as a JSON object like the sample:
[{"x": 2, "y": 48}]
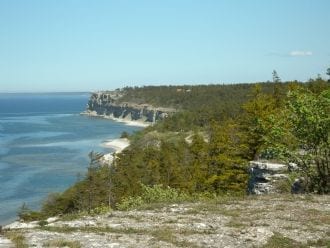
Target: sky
[{"x": 85, "y": 45}]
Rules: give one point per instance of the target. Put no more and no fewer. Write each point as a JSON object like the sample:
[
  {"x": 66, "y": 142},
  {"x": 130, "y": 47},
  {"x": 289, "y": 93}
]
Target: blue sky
[{"x": 79, "y": 45}]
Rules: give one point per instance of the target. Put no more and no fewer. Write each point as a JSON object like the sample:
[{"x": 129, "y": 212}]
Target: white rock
[
  {"x": 280, "y": 176},
  {"x": 200, "y": 225},
  {"x": 107, "y": 158},
  {"x": 5, "y": 243},
  {"x": 21, "y": 225},
  {"x": 52, "y": 219},
  {"x": 268, "y": 166}
]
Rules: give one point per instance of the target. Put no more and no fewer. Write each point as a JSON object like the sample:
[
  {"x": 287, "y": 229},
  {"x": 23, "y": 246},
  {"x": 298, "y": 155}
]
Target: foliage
[
  {"x": 91, "y": 194},
  {"x": 26, "y": 214},
  {"x": 306, "y": 122},
  {"x": 154, "y": 194},
  {"x": 318, "y": 85},
  {"x": 226, "y": 171},
  {"x": 276, "y": 78},
  {"x": 203, "y": 149},
  {"x": 199, "y": 105},
  {"x": 124, "y": 134},
  {"x": 255, "y": 121}
]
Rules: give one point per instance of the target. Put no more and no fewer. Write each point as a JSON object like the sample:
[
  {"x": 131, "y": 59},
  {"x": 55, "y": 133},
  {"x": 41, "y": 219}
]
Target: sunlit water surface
[{"x": 44, "y": 146}]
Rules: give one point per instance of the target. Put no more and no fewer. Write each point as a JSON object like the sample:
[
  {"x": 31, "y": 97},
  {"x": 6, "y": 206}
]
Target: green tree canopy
[{"x": 301, "y": 135}]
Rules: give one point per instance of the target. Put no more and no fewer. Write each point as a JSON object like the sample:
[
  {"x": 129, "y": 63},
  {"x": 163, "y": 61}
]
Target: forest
[{"x": 204, "y": 147}]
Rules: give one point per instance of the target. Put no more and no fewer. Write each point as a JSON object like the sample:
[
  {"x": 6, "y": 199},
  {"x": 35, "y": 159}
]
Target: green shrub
[
  {"x": 152, "y": 194},
  {"x": 102, "y": 209},
  {"x": 42, "y": 223},
  {"x": 124, "y": 134},
  {"x": 26, "y": 214},
  {"x": 130, "y": 203},
  {"x": 203, "y": 196}
]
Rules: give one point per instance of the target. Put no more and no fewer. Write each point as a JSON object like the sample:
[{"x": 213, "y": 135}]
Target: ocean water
[{"x": 44, "y": 146}]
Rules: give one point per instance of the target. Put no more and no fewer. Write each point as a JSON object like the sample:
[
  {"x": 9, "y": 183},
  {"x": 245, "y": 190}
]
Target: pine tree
[
  {"x": 276, "y": 78},
  {"x": 254, "y": 121},
  {"x": 226, "y": 168}
]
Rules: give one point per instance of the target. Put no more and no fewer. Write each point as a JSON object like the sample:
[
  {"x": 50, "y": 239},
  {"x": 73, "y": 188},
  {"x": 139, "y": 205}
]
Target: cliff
[{"x": 109, "y": 104}]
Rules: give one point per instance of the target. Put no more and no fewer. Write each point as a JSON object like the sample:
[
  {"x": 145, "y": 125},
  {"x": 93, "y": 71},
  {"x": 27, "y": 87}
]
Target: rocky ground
[{"x": 256, "y": 221}]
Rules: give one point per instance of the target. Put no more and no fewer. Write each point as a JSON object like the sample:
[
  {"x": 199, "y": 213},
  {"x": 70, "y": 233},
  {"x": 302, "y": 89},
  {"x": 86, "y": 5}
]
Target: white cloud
[{"x": 300, "y": 53}]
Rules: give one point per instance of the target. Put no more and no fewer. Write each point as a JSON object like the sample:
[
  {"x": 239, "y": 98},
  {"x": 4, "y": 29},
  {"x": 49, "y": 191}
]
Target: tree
[
  {"x": 92, "y": 178},
  {"x": 306, "y": 120},
  {"x": 277, "y": 95},
  {"x": 254, "y": 121},
  {"x": 328, "y": 73},
  {"x": 26, "y": 214},
  {"x": 276, "y": 78},
  {"x": 226, "y": 168},
  {"x": 197, "y": 172}
]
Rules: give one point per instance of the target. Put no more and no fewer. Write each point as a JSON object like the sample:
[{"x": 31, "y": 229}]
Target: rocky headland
[{"x": 108, "y": 104}]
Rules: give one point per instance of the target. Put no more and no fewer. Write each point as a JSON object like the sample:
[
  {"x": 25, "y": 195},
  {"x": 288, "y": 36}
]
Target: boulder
[
  {"x": 298, "y": 186},
  {"x": 265, "y": 177}
]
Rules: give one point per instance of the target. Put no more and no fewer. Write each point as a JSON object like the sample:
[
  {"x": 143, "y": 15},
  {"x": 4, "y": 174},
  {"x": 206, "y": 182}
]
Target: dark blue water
[{"x": 44, "y": 145}]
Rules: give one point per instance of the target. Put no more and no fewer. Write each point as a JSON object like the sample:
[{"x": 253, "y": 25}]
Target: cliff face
[{"x": 109, "y": 104}]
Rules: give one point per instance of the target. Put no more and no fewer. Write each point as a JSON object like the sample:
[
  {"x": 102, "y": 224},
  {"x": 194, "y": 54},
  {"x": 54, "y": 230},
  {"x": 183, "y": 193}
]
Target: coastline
[
  {"x": 117, "y": 144},
  {"x": 136, "y": 123}
]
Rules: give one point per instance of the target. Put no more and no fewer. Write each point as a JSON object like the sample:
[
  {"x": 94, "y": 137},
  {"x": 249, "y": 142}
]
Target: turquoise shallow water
[{"x": 44, "y": 146}]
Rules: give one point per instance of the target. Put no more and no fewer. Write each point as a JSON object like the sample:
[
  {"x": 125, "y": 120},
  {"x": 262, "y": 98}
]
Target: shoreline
[
  {"x": 122, "y": 120},
  {"x": 116, "y": 144}
]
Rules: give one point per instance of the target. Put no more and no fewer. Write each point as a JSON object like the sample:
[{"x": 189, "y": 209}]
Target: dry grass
[
  {"x": 62, "y": 243},
  {"x": 17, "y": 238}
]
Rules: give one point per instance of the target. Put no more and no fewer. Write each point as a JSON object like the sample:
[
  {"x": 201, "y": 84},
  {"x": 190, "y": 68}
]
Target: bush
[
  {"x": 152, "y": 194},
  {"x": 26, "y": 214},
  {"x": 42, "y": 223},
  {"x": 130, "y": 203},
  {"x": 102, "y": 209},
  {"x": 124, "y": 134}
]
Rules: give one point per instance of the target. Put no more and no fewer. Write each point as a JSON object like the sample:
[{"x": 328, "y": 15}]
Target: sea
[{"x": 44, "y": 146}]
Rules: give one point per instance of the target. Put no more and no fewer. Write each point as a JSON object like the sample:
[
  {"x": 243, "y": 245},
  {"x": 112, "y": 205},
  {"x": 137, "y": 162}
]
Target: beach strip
[{"x": 117, "y": 144}]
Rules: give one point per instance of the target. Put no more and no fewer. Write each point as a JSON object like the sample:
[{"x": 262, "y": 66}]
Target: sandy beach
[{"x": 117, "y": 144}]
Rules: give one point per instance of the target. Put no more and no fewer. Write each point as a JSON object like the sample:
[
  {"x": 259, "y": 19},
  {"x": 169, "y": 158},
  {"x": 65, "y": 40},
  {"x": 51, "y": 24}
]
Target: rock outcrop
[
  {"x": 229, "y": 222},
  {"x": 266, "y": 177},
  {"x": 108, "y": 104}
]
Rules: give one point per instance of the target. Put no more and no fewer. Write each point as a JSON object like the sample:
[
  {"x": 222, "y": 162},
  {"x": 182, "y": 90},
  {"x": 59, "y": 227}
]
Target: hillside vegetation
[{"x": 203, "y": 149}]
